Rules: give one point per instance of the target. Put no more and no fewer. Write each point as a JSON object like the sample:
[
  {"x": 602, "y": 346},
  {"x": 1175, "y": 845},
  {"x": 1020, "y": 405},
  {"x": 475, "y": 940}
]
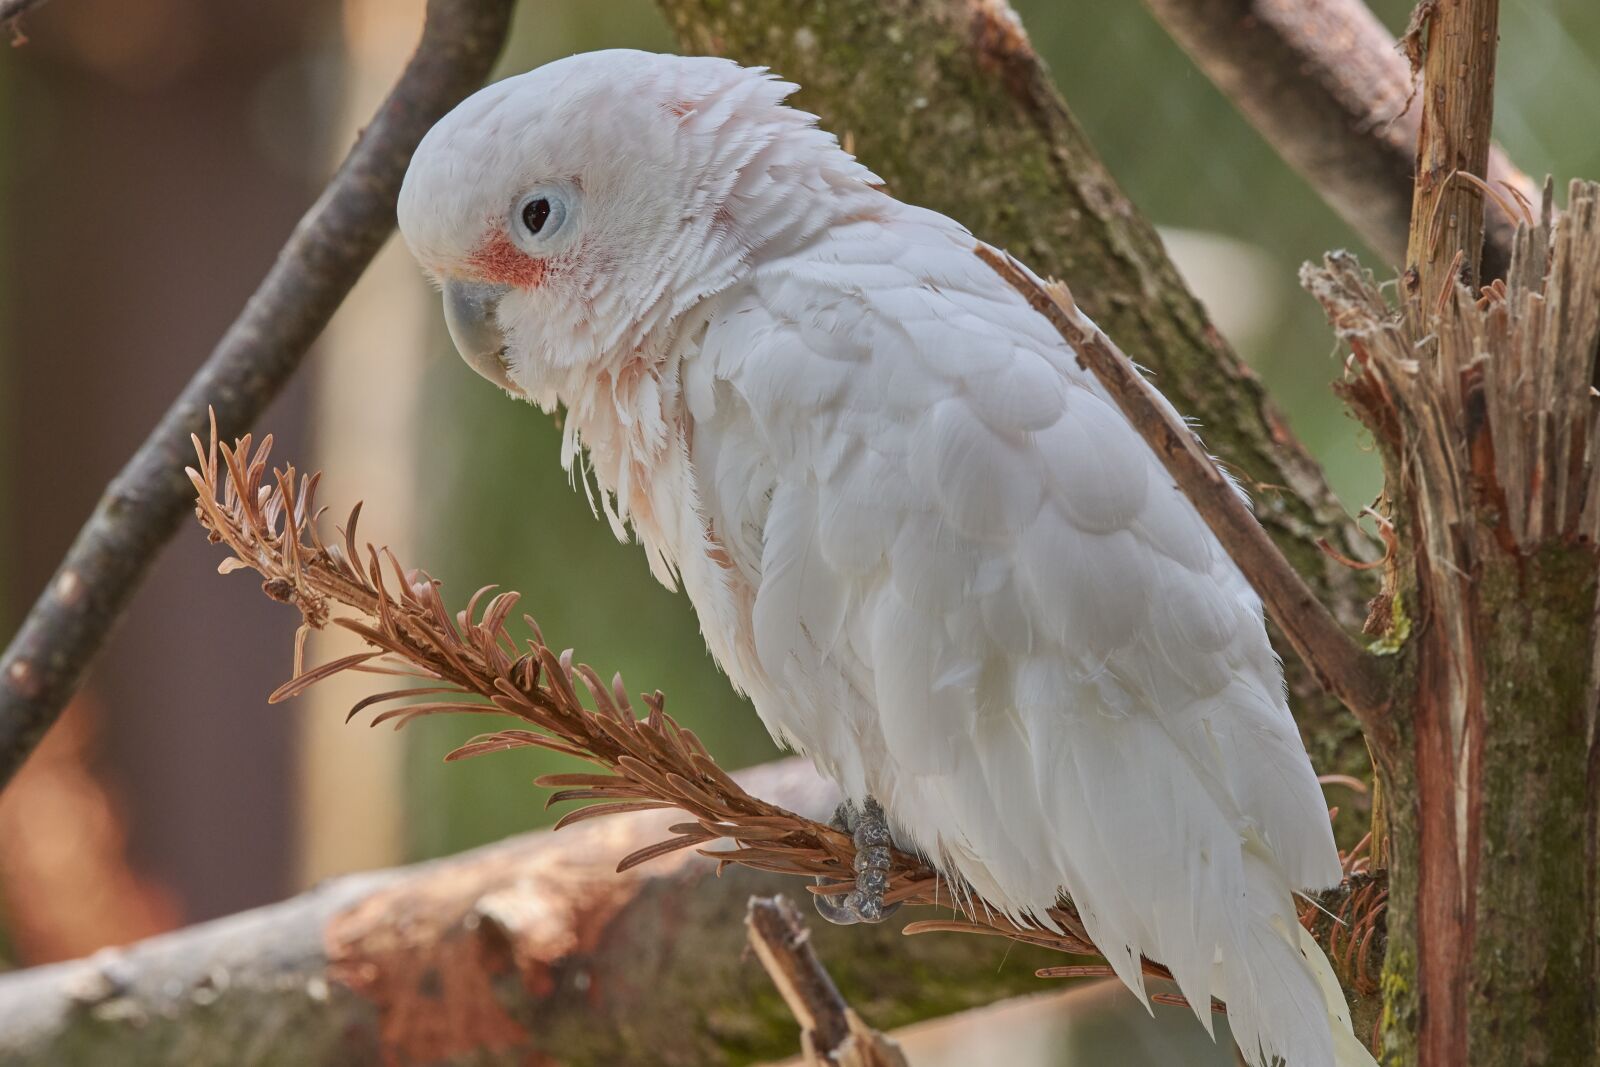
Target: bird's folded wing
[{"x": 970, "y": 571}]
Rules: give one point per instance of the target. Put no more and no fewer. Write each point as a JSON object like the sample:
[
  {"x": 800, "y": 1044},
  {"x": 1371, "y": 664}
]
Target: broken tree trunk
[{"x": 1488, "y": 425}]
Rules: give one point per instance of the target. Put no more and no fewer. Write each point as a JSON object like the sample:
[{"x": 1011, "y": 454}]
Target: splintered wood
[{"x": 831, "y": 1034}]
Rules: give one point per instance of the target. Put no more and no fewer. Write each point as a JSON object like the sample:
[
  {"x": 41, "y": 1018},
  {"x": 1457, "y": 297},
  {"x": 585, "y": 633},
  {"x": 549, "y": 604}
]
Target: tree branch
[
  {"x": 1334, "y": 659},
  {"x": 1446, "y": 237},
  {"x": 947, "y": 100},
  {"x": 529, "y": 948},
  {"x": 1326, "y": 85},
  {"x": 321, "y": 261}
]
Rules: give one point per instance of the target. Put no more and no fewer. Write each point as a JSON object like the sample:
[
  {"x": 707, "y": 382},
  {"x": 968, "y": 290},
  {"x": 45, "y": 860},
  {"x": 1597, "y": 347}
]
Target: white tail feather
[{"x": 1284, "y": 1001}]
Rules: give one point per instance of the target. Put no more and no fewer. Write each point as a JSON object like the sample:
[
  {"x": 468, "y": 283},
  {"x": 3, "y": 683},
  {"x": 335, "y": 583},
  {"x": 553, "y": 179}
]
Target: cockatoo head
[{"x": 570, "y": 213}]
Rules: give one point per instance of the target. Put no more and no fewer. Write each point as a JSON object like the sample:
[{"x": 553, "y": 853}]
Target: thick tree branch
[
  {"x": 1457, "y": 98},
  {"x": 327, "y": 252},
  {"x": 1339, "y": 664},
  {"x": 947, "y": 100},
  {"x": 1326, "y": 85},
  {"x": 531, "y": 950}
]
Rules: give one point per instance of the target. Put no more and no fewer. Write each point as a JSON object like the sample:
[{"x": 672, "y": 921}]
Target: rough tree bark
[
  {"x": 1487, "y": 426},
  {"x": 529, "y": 951},
  {"x": 1457, "y": 101},
  {"x": 1485, "y": 414},
  {"x": 949, "y": 103}
]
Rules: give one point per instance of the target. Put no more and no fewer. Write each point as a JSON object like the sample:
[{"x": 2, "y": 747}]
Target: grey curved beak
[{"x": 469, "y": 312}]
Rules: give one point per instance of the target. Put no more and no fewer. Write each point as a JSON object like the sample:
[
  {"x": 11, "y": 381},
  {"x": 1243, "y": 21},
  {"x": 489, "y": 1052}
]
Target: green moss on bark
[{"x": 1533, "y": 982}]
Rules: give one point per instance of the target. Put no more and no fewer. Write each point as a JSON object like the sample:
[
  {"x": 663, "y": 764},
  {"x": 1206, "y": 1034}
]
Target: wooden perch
[
  {"x": 831, "y": 1034},
  {"x": 316, "y": 269},
  {"x": 531, "y": 950},
  {"x": 1326, "y": 85}
]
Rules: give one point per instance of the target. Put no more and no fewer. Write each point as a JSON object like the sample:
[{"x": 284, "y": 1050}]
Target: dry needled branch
[
  {"x": 1324, "y": 83},
  {"x": 469, "y": 663},
  {"x": 1341, "y": 665},
  {"x": 327, "y": 252}
]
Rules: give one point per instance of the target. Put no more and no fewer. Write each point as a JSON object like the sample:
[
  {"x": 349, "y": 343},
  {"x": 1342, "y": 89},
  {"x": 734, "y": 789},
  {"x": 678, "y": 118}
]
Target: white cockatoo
[{"x": 917, "y": 533}]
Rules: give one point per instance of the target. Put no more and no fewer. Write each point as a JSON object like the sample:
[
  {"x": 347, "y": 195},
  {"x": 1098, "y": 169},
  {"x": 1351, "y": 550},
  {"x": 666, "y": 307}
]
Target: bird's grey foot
[{"x": 869, "y": 828}]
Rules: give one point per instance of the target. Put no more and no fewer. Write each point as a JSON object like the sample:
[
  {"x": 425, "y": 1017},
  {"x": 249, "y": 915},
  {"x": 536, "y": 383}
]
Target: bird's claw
[{"x": 869, "y": 828}]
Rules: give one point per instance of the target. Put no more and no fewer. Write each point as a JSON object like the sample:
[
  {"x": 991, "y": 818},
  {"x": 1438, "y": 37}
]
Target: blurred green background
[{"x": 154, "y": 157}]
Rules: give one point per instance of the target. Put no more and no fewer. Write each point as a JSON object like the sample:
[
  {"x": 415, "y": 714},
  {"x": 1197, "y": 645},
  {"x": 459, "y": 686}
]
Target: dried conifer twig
[{"x": 469, "y": 663}]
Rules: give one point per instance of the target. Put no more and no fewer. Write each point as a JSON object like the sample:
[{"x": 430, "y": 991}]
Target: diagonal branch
[
  {"x": 1342, "y": 666},
  {"x": 1324, "y": 82},
  {"x": 321, "y": 261}
]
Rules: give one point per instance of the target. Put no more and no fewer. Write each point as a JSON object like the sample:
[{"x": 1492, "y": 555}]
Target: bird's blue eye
[{"x": 540, "y": 215}]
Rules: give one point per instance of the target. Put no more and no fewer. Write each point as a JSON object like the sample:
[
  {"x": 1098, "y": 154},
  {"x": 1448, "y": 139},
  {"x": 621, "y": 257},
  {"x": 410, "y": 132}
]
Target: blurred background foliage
[{"x": 214, "y": 801}]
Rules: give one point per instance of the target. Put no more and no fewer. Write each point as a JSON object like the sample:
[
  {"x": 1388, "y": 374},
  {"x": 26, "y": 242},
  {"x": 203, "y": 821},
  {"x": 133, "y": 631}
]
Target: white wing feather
[{"x": 978, "y": 597}]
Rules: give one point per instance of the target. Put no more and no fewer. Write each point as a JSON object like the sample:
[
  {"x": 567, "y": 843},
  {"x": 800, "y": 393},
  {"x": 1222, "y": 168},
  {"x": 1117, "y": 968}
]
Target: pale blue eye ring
[{"x": 541, "y": 215}]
